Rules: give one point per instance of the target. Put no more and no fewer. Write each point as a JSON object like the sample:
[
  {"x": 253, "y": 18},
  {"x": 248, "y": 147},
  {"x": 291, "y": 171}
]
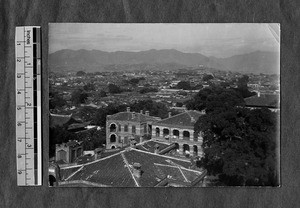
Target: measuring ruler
[{"x": 28, "y": 106}]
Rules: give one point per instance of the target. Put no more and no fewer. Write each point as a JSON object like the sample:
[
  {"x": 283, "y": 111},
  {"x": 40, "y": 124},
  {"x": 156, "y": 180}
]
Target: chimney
[
  {"x": 136, "y": 169},
  {"x": 170, "y": 115},
  {"x": 141, "y": 111},
  {"x": 128, "y": 109},
  {"x": 133, "y": 115},
  {"x": 147, "y": 113}
]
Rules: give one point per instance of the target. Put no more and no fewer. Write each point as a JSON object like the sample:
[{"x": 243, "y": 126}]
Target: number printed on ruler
[{"x": 28, "y": 106}]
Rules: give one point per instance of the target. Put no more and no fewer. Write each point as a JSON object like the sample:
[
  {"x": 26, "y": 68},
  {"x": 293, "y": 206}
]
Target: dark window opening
[
  {"x": 157, "y": 132},
  {"x": 112, "y": 128},
  {"x": 186, "y": 135},
  {"x": 112, "y": 138},
  {"x": 166, "y": 132},
  {"x": 52, "y": 180}
]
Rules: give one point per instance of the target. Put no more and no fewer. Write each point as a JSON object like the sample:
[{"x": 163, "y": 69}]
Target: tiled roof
[
  {"x": 148, "y": 178},
  {"x": 76, "y": 126},
  {"x": 67, "y": 172},
  {"x": 59, "y": 120},
  {"x": 110, "y": 171},
  {"x": 165, "y": 171},
  {"x": 85, "y": 159},
  {"x": 128, "y": 116},
  {"x": 185, "y": 119},
  {"x": 264, "y": 100},
  {"x": 117, "y": 170}
]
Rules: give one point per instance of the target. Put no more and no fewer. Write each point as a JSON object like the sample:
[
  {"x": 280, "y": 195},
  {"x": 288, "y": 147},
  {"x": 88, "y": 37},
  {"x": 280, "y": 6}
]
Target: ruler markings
[{"x": 28, "y": 106}]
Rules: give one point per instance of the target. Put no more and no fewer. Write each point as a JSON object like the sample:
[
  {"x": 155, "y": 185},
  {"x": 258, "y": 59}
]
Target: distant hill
[
  {"x": 168, "y": 59},
  {"x": 255, "y": 62}
]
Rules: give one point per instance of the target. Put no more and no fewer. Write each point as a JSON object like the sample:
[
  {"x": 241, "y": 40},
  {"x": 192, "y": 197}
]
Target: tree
[
  {"x": 242, "y": 87},
  {"x": 184, "y": 85},
  {"x": 215, "y": 99},
  {"x": 86, "y": 113},
  {"x": 240, "y": 146},
  {"x": 56, "y": 101},
  {"x": 134, "y": 81},
  {"x": 100, "y": 116},
  {"x": 80, "y": 73},
  {"x": 243, "y": 81},
  {"x": 207, "y": 77},
  {"x": 113, "y": 89},
  {"x": 79, "y": 96},
  {"x": 154, "y": 108}
]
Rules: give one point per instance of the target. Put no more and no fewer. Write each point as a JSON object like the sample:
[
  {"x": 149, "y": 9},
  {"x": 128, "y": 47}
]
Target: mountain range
[{"x": 168, "y": 59}]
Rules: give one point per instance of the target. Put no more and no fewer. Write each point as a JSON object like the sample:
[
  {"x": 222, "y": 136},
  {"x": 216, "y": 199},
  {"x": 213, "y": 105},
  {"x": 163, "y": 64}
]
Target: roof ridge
[
  {"x": 127, "y": 165},
  {"x": 172, "y": 116},
  {"x": 83, "y": 182},
  {"x": 186, "y": 180},
  {"x": 74, "y": 173},
  {"x": 187, "y": 111}
]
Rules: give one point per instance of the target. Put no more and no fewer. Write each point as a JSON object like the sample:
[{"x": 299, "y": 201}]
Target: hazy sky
[{"x": 220, "y": 40}]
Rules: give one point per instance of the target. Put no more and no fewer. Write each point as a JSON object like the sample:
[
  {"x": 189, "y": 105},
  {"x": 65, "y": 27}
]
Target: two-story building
[
  {"x": 123, "y": 128},
  {"x": 179, "y": 129}
]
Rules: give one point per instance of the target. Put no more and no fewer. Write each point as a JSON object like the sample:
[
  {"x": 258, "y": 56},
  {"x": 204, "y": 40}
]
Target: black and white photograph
[{"x": 164, "y": 105}]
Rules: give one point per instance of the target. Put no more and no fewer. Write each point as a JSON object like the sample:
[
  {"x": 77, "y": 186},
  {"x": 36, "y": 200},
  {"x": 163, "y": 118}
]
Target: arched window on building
[
  {"x": 166, "y": 132},
  {"x": 186, "y": 135},
  {"x": 126, "y": 128},
  {"x": 119, "y": 127},
  {"x": 149, "y": 129},
  {"x": 195, "y": 150},
  {"x": 176, "y": 149},
  {"x": 157, "y": 132},
  {"x": 186, "y": 149},
  {"x": 176, "y": 133},
  {"x": 112, "y": 138},
  {"x": 112, "y": 127},
  {"x": 133, "y": 129}
]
